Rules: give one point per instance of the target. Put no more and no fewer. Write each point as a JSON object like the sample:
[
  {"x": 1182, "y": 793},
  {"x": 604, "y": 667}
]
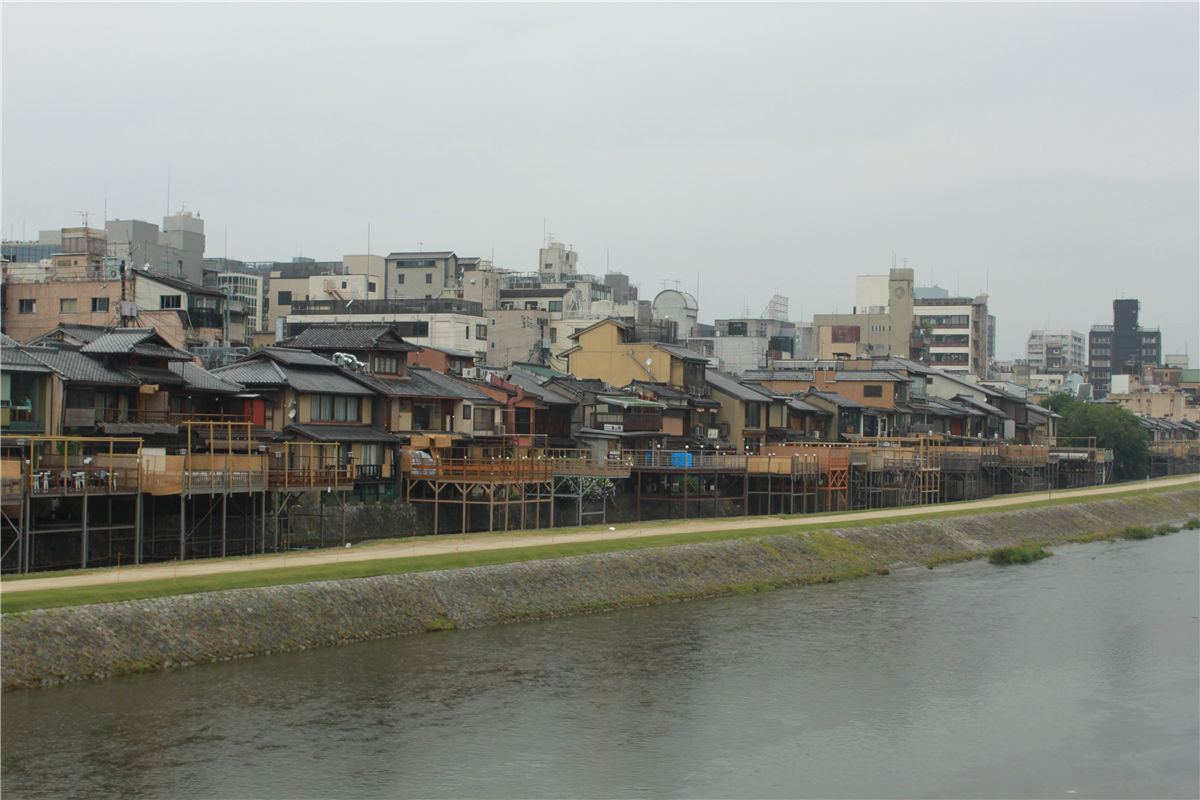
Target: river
[{"x": 1077, "y": 676}]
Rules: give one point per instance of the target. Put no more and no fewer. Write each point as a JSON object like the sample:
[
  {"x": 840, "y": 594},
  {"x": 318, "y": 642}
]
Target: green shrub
[
  {"x": 1163, "y": 530},
  {"x": 1192, "y": 524},
  {"x": 1137, "y": 532},
  {"x": 1020, "y": 554}
]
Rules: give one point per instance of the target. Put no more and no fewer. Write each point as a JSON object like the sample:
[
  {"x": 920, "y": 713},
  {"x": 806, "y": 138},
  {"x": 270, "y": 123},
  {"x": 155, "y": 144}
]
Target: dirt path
[{"x": 458, "y": 543}]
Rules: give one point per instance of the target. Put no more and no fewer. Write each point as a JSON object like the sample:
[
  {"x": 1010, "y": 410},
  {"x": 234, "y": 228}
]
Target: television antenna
[{"x": 83, "y": 216}]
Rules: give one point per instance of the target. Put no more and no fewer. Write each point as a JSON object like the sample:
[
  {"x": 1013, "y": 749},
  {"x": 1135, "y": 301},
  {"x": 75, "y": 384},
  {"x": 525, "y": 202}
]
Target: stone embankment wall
[{"x": 48, "y": 646}]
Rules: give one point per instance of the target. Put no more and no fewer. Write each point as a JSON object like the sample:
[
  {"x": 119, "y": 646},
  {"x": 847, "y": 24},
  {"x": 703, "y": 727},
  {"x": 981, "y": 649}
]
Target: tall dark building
[{"x": 1122, "y": 348}]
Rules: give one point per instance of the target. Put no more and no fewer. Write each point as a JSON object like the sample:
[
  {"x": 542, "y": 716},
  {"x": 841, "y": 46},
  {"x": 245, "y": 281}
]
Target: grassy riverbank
[{"x": 556, "y": 545}]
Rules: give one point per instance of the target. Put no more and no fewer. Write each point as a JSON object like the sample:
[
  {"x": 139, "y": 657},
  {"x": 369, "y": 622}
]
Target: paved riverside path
[{"x": 458, "y": 543}]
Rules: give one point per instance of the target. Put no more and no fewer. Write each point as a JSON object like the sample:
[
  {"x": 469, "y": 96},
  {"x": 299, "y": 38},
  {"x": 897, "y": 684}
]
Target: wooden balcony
[
  {"x": 685, "y": 460},
  {"x": 582, "y": 463}
]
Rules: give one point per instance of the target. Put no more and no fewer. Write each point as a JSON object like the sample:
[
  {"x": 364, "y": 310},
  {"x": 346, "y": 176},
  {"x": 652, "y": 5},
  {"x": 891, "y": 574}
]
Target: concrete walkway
[{"x": 459, "y": 543}]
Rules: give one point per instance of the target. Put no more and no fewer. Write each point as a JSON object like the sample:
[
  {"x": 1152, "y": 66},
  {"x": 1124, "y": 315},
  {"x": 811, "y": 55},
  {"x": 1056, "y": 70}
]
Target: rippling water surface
[{"x": 1073, "y": 677}]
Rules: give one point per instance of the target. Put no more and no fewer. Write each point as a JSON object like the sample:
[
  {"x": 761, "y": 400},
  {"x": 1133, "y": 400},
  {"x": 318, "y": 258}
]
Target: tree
[{"x": 1113, "y": 427}]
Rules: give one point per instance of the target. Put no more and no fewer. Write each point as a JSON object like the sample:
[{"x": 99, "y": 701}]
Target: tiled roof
[
  {"x": 324, "y": 381},
  {"x": 254, "y": 373},
  {"x": 76, "y": 367},
  {"x": 682, "y": 352},
  {"x": 296, "y": 357},
  {"x": 15, "y": 359},
  {"x": 425, "y": 382},
  {"x": 349, "y": 337},
  {"x": 530, "y": 383},
  {"x": 833, "y": 397},
  {"x": 142, "y": 341},
  {"x": 154, "y": 375},
  {"x": 199, "y": 379},
  {"x": 778, "y": 375},
  {"x": 734, "y": 388},
  {"x": 341, "y": 433}
]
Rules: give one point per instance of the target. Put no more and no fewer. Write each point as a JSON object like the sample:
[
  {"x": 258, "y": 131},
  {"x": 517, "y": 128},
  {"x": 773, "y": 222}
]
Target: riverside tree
[{"x": 1114, "y": 428}]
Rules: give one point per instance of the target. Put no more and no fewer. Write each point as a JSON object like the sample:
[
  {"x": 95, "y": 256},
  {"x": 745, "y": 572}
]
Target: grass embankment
[
  {"x": 141, "y": 589},
  {"x": 1019, "y": 554}
]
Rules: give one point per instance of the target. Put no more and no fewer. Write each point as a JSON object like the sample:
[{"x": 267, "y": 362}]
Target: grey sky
[{"x": 1047, "y": 154}]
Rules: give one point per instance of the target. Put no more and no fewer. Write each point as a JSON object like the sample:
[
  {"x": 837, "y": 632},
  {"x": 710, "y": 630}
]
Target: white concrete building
[{"x": 1056, "y": 351}]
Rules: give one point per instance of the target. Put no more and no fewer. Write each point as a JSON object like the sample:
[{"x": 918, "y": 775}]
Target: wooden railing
[
  {"x": 685, "y": 459},
  {"x": 490, "y": 469}
]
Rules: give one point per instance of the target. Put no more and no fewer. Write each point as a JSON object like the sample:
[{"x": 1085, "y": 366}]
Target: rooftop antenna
[
  {"x": 83, "y": 216},
  {"x": 168, "y": 189}
]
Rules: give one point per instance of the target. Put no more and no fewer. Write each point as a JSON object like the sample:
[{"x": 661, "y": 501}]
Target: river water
[{"x": 1077, "y": 676}]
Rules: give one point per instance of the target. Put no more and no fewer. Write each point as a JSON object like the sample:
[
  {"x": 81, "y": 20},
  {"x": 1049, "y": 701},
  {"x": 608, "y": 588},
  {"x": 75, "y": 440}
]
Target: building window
[
  {"x": 284, "y": 299},
  {"x": 99, "y": 304},
  {"x": 28, "y": 306},
  {"x": 753, "y": 415},
  {"x": 872, "y": 390},
  {"x": 554, "y": 305},
  {"x": 169, "y": 301},
  {"x": 67, "y": 305},
  {"x": 429, "y": 277},
  {"x": 481, "y": 331},
  {"x": 334, "y": 408},
  {"x": 388, "y": 365},
  {"x": 371, "y": 286},
  {"x": 553, "y": 335},
  {"x": 400, "y": 278}
]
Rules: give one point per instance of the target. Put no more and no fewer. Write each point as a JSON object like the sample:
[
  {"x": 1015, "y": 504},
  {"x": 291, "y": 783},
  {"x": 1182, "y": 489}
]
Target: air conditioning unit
[
  {"x": 500, "y": 429},
  {"x": 471, "y": 373}
]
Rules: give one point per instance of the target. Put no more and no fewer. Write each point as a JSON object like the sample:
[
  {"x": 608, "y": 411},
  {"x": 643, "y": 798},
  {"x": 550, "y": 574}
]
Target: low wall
[{"x": 48, "y": 646}]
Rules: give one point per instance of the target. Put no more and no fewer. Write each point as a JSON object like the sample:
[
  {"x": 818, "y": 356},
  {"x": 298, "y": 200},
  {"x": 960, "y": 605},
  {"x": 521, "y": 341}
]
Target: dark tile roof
[
  {"x": 14, "y": 359},
  {"x": 833, "y": 397},
  {"x": 324, "y": 381},
  {"x": 198, "y": 379},
  {"x": 735, "y": 388},
  {"x": 778, "y": 375},
  {"x": 256, "y": 373},
  {"x": 154, "y": 375},
  {"x": 140, "y": 341},
  {"x": 341, "y": 433},
  {"x": 296, "y": 357},
  {"x": 682, "y": 352},
  {"x": 76, "y": 367},
  {"x": 349, "y": 337},
  {"x": 425, "y": 382},
  {"x": 530, "y": 383}
]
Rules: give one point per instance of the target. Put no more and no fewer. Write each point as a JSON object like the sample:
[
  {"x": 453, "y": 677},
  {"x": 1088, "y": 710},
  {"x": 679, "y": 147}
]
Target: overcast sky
[{"x": 1044, "y": 154}]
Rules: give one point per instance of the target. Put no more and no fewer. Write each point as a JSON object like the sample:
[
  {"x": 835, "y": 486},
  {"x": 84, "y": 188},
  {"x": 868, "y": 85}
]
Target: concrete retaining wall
[{"x": 49, "y": 646}]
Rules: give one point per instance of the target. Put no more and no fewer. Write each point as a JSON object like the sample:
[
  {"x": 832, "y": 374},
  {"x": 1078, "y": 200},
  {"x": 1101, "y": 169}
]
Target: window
[
  {"x": 400, "y": 278},
  {"x": 553, "y": 335},
  {"x": 467, "y": 332},
  {"x": 67, "y": 305},
  {"x": 170, "y": 301},
  {"x": 388, "y": 365},
  {"x": 370, "y": 286},
  {"x": 27, "y": 307},
  {"x": 872, "y": 390},
  {"x": 484, "y": 419},
  {"x": 753, "y": 415},
  {"x": 334, "y": 408},
  {"x": 429, "y": 277},
  {"x": 554, "y": 305},
  {"x": 481, "y": 331},
  {"x": 99, "y": 304},
  {"x": 549, "y": 266}
]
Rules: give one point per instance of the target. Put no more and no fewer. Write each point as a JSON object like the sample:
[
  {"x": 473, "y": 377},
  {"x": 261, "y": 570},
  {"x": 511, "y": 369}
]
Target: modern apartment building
[
  {"x": 1056, "y": 352},
  {"x": 1122, "y": 348},
  {"x": 420, "y": 276},
  {"x": 958, "y": 331},
  {"x": 881, "y": 323}
]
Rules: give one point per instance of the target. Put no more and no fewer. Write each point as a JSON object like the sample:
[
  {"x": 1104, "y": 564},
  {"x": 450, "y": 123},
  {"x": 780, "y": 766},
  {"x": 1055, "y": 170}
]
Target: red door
[{"x": 256, "y": 411}]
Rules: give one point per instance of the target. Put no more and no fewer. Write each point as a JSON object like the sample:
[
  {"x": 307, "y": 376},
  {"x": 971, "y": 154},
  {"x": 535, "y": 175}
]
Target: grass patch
[
  {"x": 1192, "y": 524},
  {"x": 1163, "y": 530},
  {"x": 1137, "y": 532},
  {"x": 1018, "y": 554}
]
